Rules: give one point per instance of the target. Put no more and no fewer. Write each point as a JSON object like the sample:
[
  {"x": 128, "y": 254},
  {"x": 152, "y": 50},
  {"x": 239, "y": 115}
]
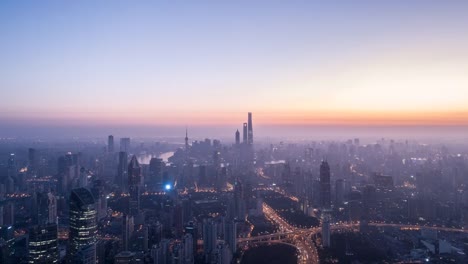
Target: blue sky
[{"x": 174, "y": 62}]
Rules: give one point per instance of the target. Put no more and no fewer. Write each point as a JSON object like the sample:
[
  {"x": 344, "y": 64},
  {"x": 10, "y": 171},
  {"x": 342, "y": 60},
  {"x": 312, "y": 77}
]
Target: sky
[{"x": 206, "y": 63}]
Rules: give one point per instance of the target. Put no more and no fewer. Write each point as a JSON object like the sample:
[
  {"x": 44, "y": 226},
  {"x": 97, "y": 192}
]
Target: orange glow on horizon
[{"x": 322, "y": 117}]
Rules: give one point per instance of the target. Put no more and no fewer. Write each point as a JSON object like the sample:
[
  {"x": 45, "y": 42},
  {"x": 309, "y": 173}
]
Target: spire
[{"x": 186, "y": 139}]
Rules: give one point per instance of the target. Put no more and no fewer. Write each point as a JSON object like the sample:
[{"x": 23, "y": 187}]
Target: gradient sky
[{"x": 209, "y": 62}]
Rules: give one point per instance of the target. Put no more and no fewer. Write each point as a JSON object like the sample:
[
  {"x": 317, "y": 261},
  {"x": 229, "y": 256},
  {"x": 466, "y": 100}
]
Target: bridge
[{"x": 301, "y": 237}]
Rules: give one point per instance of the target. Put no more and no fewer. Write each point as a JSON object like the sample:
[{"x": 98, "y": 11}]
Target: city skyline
[{"x": 150, "y": 64}]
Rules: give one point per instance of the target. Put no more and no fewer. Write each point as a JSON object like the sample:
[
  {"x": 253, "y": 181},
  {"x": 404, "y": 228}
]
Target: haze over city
[{"x": 233, "y": 132}]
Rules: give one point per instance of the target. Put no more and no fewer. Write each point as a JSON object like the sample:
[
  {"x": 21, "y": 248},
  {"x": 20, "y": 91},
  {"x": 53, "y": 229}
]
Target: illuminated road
[
  {"x": 301, "y": 237},
  {"x": 297, "y": 236}
]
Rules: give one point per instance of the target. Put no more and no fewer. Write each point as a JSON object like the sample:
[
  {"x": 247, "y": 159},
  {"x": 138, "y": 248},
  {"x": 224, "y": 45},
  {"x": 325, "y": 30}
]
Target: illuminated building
[
  {"x": 43, "y": 244},
  {"x": 83, "y": 226}
]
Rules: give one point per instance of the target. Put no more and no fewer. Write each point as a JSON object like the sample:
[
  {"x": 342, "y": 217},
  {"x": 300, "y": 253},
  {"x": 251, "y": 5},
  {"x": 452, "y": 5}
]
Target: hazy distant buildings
[
  {"x": 186, "y": 140},
  {"x": 110, "y": 144},
  {"x": 33, "y": 161},
  {"x": 244, "y": 134},
  {"x": 156, "y": 170},
  {"x": 325, "y": 187},
  {"x": 125, "y": 144},
  {"x": 237, "y": 135},
  {"x": 339, "y": 191}
]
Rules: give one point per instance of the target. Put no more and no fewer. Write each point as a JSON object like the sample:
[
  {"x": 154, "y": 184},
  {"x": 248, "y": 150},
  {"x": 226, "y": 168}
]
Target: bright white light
[{"x": 167, "y": 187}]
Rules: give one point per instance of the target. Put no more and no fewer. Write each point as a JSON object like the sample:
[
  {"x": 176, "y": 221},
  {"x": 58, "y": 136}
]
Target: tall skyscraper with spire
[
  {"x": 325, "y": 192},
  {"x": 237, "y": 137},
  {"x": 244, "y": 134},
  {"x": 134, "y": 181},
  {"x": 250, "y": 129},
  {"x": 186, "y": 139}
]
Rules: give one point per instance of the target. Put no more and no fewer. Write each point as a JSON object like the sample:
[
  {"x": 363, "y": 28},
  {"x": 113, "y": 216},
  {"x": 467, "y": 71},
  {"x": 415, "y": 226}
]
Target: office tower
[
  {"x": 239, "y": 202},
  {"x": 32, "y": 161},
  {"x": 237, "y": 137},
  {"x": 125, "y": 257},
  {"x": 121, "y": 178},
  {"x": 244, "y": 134},
  {"x": 191, "y": 228},
  {"x": 178, "y": 218},
  {"x": 230, "y": 235},
  {"x": 11, "y": 166},
  {"x": 178, "y": 253},
  {"x": 339, "y": 191},
  {"x": 110, "y": 144},
  {"x": 134, "y": 181},
  {"x": 160, "y": 252},
  {"x": 156, "y": 166},
  {"x": 210, "y": 236},
  {"x": 188, "y": 249},
  {"x": 46, "y": 208},
  {"x": 83, "y": 178},
  {"x": 325, "y": 187},
  {"x": 83, "y": 226},
  {"x": 223, "y": 254},
  {"x": 125, "y": 144},
  {"x": 127, "y": 230},
  {"x": 326, "y": 232},
  {"x": 43, "y": 244},
  {"x": 186, "y": 140},
  {"x": 8, "y": 214},
  {"x": 250, "y": 129},
  {"x": 99, "y": 193}
]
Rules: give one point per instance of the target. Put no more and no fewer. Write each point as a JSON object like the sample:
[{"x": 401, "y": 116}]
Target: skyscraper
[
  {"x": 237, "y": 137},
  {"x": 32, "y": 161},
  {"x": 339, "y": 191},
  {"x": 83, "y": 226},
  {"x": 46, "y": 208},
  {"x": 186, "y": 140},
  {"x": 230, "y": 235},
  {"x": 122, "y": 170},
  {"x": 110, "y": 144},
  {"x": 210, "y": 236},
  {"x": 325, "y": 196},
  {"x": 156, "y": 167},
  {"x": 134, "y": 181},
  {"x": 43, "y": 244},
  {"x": 125, "y": 144},
  {"x": 250, "y": 129},
  {"x": 244, "y": 134},
  {"x": 326, "y": 231}
]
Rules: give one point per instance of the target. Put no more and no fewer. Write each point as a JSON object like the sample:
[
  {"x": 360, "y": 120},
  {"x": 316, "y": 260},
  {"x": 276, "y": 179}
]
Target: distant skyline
[{"x": 208, "y": 63}]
